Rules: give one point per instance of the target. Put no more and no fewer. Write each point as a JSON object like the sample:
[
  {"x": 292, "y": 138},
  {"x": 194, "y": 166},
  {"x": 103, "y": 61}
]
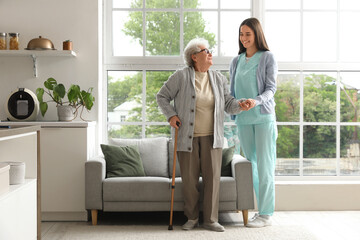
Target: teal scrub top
[{"x": 246, "y": 87}]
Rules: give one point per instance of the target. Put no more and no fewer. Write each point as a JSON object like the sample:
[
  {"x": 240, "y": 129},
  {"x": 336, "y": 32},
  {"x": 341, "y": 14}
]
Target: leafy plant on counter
[{"x": 77, "y": 98}]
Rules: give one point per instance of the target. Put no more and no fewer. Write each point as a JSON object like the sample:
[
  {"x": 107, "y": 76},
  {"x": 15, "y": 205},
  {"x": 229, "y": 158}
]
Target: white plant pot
[{"x": 65, "y": 113}]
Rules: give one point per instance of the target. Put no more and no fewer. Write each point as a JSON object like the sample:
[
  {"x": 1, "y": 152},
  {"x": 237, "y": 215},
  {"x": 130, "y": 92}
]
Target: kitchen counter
[
  {"x": 72, "y": 124},
  {"x": 16, "y": 130},
  {"x": 65, "y": 148},
  {"x": 20, "y": 206}
]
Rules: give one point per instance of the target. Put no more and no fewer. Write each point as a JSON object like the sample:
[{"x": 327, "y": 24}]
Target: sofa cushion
[
  {"x": 227, "y": 189},
  {"x": 153, "y": 152},
  {"x": 138, "y": 189},
  {"x": 227, "y": 157},
  {"x": 122, "y": 161}
]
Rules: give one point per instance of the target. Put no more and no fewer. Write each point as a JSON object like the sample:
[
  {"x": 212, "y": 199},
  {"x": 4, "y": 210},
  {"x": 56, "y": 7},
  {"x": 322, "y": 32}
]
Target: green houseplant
[{"x": 77, "y": 99}]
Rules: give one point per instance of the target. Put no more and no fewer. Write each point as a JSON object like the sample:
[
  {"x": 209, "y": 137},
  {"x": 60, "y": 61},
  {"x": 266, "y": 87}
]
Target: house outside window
[{"x": 318, "y": 81}]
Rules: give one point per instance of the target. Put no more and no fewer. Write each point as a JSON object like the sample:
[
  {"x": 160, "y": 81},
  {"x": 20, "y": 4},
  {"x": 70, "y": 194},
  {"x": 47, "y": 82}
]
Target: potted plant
[{"x": 67, "y": 110}]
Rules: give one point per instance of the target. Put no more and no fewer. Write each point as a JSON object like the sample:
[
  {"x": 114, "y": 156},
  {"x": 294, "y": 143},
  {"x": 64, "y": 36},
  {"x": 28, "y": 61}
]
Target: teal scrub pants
[{"x": 258, "y": 143}]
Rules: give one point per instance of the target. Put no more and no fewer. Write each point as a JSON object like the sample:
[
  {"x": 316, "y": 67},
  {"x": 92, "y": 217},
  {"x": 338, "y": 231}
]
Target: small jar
[
  {"x": 67, "y": 45},
  {"x": 3, "y": 41},
  {"x": 14, "y": 41}
]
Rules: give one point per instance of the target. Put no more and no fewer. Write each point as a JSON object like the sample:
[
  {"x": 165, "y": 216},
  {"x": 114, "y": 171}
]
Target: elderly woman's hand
[
  {"x": 173, "y": 121},
  {"x": 247, "y": 104},
  {"x": 244, "y": 106}
]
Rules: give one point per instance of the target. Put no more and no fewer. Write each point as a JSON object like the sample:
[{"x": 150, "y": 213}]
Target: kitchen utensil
[{"x": 40, "y": 44}]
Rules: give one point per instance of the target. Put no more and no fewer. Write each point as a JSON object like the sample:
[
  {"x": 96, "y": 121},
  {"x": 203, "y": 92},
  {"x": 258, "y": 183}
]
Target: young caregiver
[{"x": 253, "y": 77}]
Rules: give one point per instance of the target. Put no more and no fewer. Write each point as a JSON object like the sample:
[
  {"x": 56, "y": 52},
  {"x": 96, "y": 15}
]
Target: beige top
[{"x": 205, "y": 105}]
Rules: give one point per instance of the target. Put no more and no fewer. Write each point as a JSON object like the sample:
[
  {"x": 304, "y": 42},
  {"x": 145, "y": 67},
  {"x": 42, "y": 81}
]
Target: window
[
  {"x": 317, "y": 103},
  {"x": 144, "y": 44},
  {"x": 318, "y": 84},
  {"x": 163, "y": 28}
]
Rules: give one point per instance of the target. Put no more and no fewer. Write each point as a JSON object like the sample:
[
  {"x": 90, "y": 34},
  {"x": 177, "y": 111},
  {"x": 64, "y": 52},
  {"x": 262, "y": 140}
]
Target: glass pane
[
  {"x": 349, "y": 97},
  {"x": 235, "y": 4},
  {"x": 287, "y": 149},
  {"x": 319, "y": 38},
  {"x": 282, "y": 4},
  {"x": 162, "y": 3},
  {"x": 200, "y": 3},
  {"x": 320, "y": 4},
  {"x": 127, "y": 33},
  {"x": 319, "y": 150},
  {"x": 349, "y": 151},
  {"x": 320, "y": 97},
  {"x": 124, "y": 96},
  {"x": 350, "y": 4},
  {"x": 162, "y": 33},
  {"x": 285, "y": 48},
  {"x": 127, "y": 3},
  {"x": 229, "y": 31},
  {"x": 154, "y": 81},
  {"x": 287, "y": 97},
  {"x": 124, "y": 131},
  {"x": 201, "y": 24},
  {"x": 157, "y": 131},
  {"x": 231, "y": 135},
  {"x": 349, "y": 35}
]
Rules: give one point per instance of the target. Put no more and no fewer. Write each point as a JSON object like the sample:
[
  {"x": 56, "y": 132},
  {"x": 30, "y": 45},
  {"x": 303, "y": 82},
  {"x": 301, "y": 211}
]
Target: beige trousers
[{"x": 207, "y": 160}]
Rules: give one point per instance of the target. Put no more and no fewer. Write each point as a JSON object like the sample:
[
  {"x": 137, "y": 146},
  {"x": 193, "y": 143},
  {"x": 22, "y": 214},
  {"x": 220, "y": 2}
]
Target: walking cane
[{"x": 173, "y": 179}]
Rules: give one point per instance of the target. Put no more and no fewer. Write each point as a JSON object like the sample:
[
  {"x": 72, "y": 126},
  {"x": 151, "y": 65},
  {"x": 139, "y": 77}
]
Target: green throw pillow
[
  {"x": 122, "y": 161},
  {"x": 227, "y": 156}
]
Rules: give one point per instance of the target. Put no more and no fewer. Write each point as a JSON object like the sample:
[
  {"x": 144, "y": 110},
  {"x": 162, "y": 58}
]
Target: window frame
[{"x": 171, "y": 63}]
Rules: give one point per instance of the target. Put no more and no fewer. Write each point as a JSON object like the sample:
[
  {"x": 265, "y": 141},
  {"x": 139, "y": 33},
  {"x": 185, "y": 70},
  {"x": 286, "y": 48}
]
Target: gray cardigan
[
  {"x": 180, "y": 87},
  {"x": 266, "y": 81}
]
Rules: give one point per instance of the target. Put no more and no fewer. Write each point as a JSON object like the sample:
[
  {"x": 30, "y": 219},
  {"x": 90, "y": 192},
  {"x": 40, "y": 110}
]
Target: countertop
[
  {"x": 17, "y": 130},
  {"x": 48, "y": 124}
]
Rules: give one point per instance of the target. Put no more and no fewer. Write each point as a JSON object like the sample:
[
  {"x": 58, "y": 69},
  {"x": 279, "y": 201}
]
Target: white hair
[{"x": 193, "y": 47}]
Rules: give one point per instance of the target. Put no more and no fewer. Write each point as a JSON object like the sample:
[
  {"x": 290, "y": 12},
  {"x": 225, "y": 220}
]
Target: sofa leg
[
  {"x": 245, "y": 216},
  {"x": 94, "y": 214}
]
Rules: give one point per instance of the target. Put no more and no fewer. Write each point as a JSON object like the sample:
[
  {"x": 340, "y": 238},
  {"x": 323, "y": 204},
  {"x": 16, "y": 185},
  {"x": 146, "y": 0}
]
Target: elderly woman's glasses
[{"x": 205, "y": 50}]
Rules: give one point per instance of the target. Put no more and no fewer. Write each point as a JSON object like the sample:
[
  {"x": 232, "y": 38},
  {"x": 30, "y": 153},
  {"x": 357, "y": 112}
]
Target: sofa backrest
[
  {"x": 154, "y": 154},
  {"x": 171, "y": 160}
]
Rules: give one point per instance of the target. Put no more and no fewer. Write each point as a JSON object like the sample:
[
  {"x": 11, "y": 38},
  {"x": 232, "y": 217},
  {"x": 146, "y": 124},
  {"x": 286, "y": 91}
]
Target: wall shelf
[
  {"x": 38, "y": 53},
  {"x": 34, "y": 54}
]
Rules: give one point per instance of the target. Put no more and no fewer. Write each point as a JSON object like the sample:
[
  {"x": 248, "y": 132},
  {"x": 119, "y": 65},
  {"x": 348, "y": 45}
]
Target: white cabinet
[
  {"x": 20, "y": 205},
  {"x": 18, "y": 212},
  {"x": 64, "y": 151}
]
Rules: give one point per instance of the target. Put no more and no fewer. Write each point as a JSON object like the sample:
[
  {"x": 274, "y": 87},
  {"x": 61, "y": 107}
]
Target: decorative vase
[
  {"x": 16, "y": 172},
  {"x": 65, "y": 113}
]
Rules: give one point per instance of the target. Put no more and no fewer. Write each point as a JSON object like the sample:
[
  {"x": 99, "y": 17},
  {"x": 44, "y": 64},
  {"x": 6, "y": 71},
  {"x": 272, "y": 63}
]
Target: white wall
[
  {"x": 58, "y": 21},
  {"x": 317, "y": 196}
]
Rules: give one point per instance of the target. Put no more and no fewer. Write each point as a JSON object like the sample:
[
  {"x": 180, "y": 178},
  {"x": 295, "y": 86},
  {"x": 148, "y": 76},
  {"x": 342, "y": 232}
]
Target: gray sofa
[{"x": 153, "y": 192}]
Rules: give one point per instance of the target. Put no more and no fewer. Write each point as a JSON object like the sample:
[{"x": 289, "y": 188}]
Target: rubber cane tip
[{"x": 170, "y": 227}]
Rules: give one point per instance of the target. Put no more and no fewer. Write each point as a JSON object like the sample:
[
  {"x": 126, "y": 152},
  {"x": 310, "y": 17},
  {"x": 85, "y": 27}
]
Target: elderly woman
[{"x": 200, "y": 98}]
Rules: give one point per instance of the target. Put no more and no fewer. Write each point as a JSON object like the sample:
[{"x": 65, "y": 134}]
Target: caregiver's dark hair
[{"x": 260, "y": 41}]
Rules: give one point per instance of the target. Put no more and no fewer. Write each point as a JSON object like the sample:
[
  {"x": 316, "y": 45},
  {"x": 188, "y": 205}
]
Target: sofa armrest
[
  {"x": 95, "y": 170},
  {"x": 242, "y": 172}
]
